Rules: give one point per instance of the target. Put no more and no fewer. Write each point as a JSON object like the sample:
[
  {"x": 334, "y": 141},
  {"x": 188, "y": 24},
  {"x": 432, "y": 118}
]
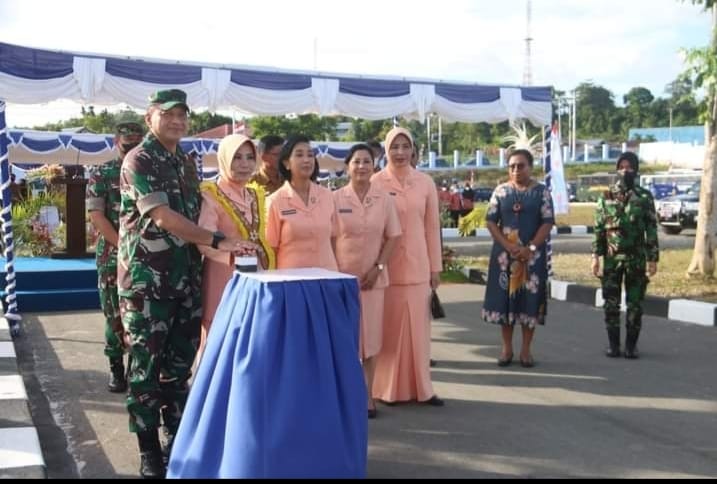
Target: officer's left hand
[{"x": 651, "y": 268}]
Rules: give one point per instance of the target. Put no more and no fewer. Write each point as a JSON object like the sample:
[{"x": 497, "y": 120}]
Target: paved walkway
[{"x": 576, "y": 414}]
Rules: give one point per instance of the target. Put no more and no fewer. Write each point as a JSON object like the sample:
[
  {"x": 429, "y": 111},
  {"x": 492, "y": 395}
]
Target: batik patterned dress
[{"x": 517, "y": 291}]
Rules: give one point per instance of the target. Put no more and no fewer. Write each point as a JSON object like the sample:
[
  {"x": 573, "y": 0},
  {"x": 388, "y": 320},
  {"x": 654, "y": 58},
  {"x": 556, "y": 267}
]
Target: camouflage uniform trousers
[
  {"x": 632, "y": 270},
  {"x": 109, "y": 301},
  {"x": 165, "y": 336}
]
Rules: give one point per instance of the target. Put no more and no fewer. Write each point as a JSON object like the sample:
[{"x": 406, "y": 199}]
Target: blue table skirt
[{"x": 280, "y": 391}]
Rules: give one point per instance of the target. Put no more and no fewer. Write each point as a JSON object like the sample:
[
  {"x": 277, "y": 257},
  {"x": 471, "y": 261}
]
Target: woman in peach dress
[
  {"x": 403, "y": 364},
  {"x": 368, "y": 229},
  {"x": 302, "y": 219},
  {"x": 236, "y": 209}
]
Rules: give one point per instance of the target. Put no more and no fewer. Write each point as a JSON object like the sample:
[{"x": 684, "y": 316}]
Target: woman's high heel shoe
[{"x": 505, "y": 361}]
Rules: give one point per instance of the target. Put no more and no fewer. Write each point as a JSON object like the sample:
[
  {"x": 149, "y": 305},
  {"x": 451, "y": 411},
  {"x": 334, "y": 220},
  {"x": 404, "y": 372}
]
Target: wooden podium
[{"x": 76, "y": 230}]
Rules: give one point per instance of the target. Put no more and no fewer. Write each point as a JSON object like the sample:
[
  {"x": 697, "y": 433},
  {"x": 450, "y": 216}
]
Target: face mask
[
  {"x": 126, "y": 147},
  {"x": 626, "y": 179}
]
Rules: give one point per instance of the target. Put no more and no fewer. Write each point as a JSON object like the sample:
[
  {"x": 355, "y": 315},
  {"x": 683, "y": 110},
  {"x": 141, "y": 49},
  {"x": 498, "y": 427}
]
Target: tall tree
[
  {"x": 637, "y": 106},
  {"x": 315, "y": 127},
  {"x": 199, "y": 122},
  {"x": 702, "y": 69},
  {"x": 682, "y": 101},
  {"x": 596, "y": 105},
  {"x": 104, "y": 122}
]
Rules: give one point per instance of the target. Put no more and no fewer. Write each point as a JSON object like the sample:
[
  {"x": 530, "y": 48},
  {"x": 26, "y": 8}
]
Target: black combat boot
[
  {"x": 118, "y": 381},
  {"x": 613, "y": 336},
  {"x": 631, "y": 352},
  {"x": 151, "y": 465},
  {"x": 167, "y": 449}
]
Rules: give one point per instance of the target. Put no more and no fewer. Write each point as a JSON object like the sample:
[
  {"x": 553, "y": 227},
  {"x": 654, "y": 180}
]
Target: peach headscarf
[
  {"x": 225, "y": 154},
  {"x": 391, "y": 135}
]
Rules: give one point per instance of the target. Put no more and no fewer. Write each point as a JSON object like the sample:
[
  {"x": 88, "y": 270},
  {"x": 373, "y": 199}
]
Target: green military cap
[
  {"x": 169, "y": 98},
  {"x": 126, "y": 123}
]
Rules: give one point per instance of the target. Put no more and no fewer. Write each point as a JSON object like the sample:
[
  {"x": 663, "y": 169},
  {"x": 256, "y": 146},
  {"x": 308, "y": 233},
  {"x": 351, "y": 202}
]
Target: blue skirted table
[{"x": 279, "y": 392}]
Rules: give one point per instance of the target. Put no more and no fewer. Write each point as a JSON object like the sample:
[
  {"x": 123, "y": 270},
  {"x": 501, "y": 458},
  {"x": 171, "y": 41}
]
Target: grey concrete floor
[{"x": 576, "y": 414}]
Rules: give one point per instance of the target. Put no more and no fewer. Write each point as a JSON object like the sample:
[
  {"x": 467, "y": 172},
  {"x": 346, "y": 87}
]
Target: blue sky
[{"x": 618, "y": 44}]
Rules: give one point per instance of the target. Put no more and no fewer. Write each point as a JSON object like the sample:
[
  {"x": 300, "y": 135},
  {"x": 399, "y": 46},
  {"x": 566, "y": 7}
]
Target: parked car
[
  {"x": 482, "y": 194},
  {"x": 679, "y": 212}
]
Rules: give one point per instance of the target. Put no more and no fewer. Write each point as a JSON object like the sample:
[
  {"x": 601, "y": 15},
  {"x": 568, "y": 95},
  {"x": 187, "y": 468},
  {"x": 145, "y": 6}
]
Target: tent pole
[{"x": 12, "y": 316}]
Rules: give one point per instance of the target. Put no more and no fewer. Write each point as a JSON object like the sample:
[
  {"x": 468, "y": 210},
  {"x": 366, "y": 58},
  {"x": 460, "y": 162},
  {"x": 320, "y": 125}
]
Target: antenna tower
[{"x": 527, "y": 69}]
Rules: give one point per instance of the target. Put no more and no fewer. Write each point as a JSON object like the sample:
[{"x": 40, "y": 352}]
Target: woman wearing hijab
[
  {"x": 368, "y": 229},
  {"x": 302, "y": 217},
  {"x": 235, "y": 209},
  {"x": 402, "y": 366}
]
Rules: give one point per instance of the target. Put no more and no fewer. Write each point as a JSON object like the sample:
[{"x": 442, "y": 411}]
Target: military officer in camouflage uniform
[
  {"x": 159, "y": 274},
  {"x": 103, "y": 204},
  {"x": 626, "y": 237}
]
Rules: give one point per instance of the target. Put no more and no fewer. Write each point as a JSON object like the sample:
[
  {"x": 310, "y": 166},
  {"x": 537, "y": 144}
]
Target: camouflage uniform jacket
[
  {"x": 626, "y": 225},
  {"x": 152, "y": 263},
  {"x": 103, "y": 195}
]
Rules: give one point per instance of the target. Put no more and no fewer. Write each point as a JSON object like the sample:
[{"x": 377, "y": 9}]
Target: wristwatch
[
  {"x": 216, "y": 238},
  {"x": 532, "y": 247},
  {"x": 380, "y": 267}
]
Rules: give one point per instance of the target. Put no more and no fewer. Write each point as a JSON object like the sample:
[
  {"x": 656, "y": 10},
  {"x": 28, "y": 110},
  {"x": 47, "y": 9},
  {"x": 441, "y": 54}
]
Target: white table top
[{"x": 303, "y": 274}]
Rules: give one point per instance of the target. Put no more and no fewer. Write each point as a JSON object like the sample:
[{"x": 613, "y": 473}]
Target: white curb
[
  {"x": 696, "y": 312},
  {"x": 559, "y": 290}
]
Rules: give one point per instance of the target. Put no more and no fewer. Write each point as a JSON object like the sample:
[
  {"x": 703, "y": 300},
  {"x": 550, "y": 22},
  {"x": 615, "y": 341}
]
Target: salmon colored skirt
[
  {"x": 403, "y": 365},
  {"x": 214, "y": 280},
  {"x": 371, "y": 334}
]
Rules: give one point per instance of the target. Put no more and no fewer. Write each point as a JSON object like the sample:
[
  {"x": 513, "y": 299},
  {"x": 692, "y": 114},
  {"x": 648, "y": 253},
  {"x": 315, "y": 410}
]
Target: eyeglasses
[{"x": 516, "y": 166}]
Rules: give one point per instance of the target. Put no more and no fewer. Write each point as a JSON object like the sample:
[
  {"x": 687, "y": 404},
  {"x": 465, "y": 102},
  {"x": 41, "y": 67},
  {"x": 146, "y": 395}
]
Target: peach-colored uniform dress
[
  {"x": 362, "y": 230},
  {"x": 219, "y": 266},
  {"x": 302, "y": 234},
  {"x": 403, "y": 364}
]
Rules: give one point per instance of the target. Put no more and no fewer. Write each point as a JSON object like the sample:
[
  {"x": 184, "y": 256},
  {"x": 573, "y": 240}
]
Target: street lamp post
[{"x": 670, "y": 124}]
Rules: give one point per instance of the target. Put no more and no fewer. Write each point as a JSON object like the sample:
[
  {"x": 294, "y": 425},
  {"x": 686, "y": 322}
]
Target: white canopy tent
[{"x": 32, "y": 76}]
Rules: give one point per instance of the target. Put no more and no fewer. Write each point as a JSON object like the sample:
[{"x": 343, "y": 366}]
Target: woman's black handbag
[{"x": 436, "y": 306}]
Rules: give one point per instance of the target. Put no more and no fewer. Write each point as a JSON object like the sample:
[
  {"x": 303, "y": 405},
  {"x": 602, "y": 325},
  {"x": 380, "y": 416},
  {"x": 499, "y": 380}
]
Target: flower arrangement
[{"x": 32, "y": 236}]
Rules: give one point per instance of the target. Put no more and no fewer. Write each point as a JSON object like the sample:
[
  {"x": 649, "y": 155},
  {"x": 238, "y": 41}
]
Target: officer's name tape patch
[
  {"x": 346, "y": 210},
  {"x": 289, "y": 212}
]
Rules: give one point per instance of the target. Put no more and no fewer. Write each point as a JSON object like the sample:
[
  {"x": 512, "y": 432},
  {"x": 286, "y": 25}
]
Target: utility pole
[
  {"x": 528, "y": 67},
  {"x": 575, "y": 123},
  {"x": 440, "y": 137},
  {"x": 670, "y": 124}
]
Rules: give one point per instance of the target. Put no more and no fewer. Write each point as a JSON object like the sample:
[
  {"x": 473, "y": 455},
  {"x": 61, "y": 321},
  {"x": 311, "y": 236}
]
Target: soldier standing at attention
[
  {"x": 626, "y": 237},
  {"x": 159, "y": 275},
  {"x": 103, "y": 204}
]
